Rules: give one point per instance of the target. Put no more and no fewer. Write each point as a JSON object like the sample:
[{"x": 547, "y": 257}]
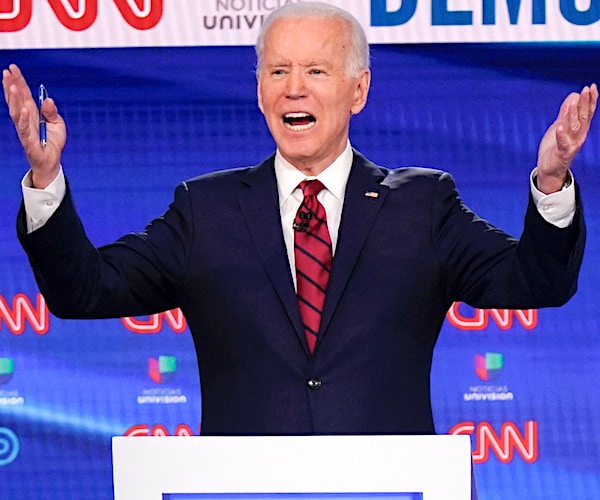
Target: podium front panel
[{"x": 292, "y": 467}]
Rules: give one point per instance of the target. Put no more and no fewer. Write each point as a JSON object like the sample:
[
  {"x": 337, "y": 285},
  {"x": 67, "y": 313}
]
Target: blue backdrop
[{"x": 142, "y": 120}]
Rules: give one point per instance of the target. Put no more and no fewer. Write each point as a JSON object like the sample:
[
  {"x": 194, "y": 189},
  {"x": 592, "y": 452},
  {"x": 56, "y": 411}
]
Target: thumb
[{"x": 49, "y": 110}]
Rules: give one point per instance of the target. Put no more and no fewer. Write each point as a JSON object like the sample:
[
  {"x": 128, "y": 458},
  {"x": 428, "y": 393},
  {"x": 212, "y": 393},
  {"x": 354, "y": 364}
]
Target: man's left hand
[{"x": 564, "y": 139}]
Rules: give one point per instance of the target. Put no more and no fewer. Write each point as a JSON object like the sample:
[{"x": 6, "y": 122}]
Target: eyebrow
[{"x": 279, "y": 64}]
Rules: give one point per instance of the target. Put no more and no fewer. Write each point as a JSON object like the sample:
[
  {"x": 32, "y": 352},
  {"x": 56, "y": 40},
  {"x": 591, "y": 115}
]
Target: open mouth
[{"x": 299, "y": 121}]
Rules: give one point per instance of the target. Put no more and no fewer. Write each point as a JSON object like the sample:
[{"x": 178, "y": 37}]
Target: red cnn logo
[
  {"x": 23, "y": 313},
  {"x": 14, "y": 14},
  {"x": 79, "y": 15},
  {"x": 154, "y": 324},
  {"x": 504, "y": 444},
  {"x": 479, "y": 319},
  {"x": 158, "y": 430}
]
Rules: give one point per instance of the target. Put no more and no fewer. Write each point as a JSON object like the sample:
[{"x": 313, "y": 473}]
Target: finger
[
  {"x": 572, "y": 121},
  {"x": 593, "y": 99},
  {"x": 565, "y": 106},
  {"x": 16, "y": 106},
  {"x": 23, "y": 126},
  {"x": 587, "y": 105},
  {"x": 9, "y": 78},
  {"x": 16, "y": 92},
  {"x": 14, "y": 103},
  {"x": 15, "y": 70},
  {"x": 562, "y": 138},
  {"x": 17, "y": 78},
  {"x": 5, "y": 83},
  {"x": 583, "y": 106},
  {"x": 49, "y": 110}
]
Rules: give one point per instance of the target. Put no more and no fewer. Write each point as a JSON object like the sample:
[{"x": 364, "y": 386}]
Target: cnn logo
[
  {"x": 479, "y": 319},
  {"x": 79, "y": 15},
  {"x": 23, "y": 312},
  {"x": 158, "y": 430},
  {"x": 502, "y": 444}
]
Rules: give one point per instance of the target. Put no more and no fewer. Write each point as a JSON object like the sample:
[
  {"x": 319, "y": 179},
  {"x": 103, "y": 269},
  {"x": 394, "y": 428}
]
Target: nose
[{"x": 296, "y": 85}]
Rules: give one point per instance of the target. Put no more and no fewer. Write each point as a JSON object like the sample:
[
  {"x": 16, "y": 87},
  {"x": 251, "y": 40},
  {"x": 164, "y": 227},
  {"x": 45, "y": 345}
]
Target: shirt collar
[{"x": 334, "y": 177}]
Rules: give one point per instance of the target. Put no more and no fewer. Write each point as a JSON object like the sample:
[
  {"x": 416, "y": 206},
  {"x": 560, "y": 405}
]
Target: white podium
[{"x": 301, "y": 467}]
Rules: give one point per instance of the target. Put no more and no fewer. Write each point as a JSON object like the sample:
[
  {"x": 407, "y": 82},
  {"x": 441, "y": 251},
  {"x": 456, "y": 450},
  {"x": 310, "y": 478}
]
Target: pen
[{"x": 42, "y": 95}]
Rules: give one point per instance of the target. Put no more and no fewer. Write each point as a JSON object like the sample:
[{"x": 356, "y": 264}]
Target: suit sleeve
[
  {"x": 136, "y": 275},
  {"x": 486, "y": 268}
]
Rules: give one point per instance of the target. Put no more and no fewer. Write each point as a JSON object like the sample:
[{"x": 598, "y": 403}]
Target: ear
[
  {"x": 259, "y": 93},
  {"x": 361, "y": 92}
]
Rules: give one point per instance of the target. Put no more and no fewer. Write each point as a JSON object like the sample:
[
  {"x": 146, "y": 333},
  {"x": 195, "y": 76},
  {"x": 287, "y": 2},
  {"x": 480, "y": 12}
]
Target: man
[{"x": 348, "y": 349}]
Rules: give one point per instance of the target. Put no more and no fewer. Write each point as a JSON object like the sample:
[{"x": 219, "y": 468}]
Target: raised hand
[
  {"x": 23, "y": 109},
  {"x": 564, "y": 138}
]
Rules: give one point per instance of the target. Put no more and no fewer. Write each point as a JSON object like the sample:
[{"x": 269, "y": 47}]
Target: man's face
[{"x": 304, "y": 91}]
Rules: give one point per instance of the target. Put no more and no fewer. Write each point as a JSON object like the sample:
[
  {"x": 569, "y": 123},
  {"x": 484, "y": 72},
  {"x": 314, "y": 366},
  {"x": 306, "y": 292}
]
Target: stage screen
[{"x": 141, "y": 119}]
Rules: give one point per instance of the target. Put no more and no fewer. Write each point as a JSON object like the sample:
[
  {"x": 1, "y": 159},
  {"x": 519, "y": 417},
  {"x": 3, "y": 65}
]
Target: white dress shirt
[{"x": 334, "y": 178}]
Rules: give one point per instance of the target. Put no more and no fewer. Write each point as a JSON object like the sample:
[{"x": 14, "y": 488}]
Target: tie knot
[{"x": 311, "y": 187}]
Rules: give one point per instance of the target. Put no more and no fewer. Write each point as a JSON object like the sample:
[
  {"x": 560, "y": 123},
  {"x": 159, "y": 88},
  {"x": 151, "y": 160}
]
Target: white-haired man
[{"x": 314, "y": 284}]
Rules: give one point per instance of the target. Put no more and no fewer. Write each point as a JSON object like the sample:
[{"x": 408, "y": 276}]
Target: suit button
[{"x": 315, "y": 384}]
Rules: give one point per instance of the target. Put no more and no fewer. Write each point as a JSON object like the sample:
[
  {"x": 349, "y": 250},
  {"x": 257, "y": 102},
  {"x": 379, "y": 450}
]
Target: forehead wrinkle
[
  {"x": 333, "y": 41},
  {"x": 279, "y": 63},
  {"x": 316, "y": 62}
]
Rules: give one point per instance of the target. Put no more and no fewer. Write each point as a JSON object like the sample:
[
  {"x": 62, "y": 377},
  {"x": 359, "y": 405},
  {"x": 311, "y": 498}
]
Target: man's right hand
[{"x": 23, "y": 109}]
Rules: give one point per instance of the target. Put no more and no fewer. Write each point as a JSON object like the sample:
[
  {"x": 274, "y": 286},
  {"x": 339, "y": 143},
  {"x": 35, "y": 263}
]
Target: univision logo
[
  {"x": 7, "y": 370},
  {"x": 162, "y": 369},
  {"x": 489, "y": 366}
]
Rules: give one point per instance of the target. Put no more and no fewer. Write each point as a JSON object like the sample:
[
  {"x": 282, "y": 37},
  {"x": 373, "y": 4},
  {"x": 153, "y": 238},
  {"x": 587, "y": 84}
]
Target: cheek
[
  {"x": 267, "y": 103},
  {"x": 265, "y": 96}
]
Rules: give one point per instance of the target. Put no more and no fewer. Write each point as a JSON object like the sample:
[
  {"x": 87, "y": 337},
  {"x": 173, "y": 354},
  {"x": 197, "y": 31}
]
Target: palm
[
  {"x": 566, "y": 135},
  {"x": 44, "y": 161}
]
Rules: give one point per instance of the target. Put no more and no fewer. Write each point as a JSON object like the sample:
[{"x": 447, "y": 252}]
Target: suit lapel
[
  {"x": 259, "y": 203},
  {"x": 363, "y": 199}
]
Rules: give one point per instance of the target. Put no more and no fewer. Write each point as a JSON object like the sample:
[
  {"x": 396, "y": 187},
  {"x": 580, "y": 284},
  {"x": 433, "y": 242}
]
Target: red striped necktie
[{"x": 312, "y": 251}]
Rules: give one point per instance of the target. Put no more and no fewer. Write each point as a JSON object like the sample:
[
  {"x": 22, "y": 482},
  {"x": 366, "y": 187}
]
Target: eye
[
  {"x": 316, "y": 71},
  {"x": 278, "y": 72}
]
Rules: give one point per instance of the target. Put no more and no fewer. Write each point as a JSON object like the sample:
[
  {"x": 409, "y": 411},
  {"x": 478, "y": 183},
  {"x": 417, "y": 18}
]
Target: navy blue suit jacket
[{"x": 402, "y": 258}]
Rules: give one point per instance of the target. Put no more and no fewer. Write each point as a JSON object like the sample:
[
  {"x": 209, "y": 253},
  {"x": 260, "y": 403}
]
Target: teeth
[{"x": 296, "y": 115}]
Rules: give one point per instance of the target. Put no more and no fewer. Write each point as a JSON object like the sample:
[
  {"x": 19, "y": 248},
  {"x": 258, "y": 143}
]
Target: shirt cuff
[
  {"x": 556, "y": 208},
  {"x": 40, "y": 204}
]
